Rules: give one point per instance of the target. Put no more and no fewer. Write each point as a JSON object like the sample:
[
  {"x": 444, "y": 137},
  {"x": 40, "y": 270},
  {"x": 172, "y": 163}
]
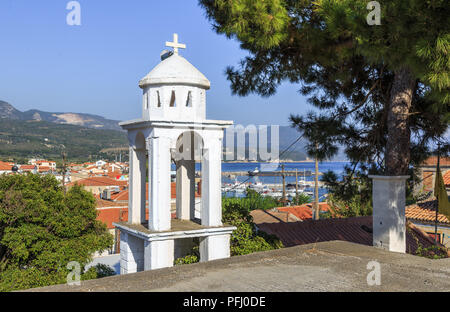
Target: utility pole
[
  {"x": 284, "y": 184},
  {"x": 117, "y": 232},
  {"x": 296, "y": 182},
  {"x": 437, "y": 195},
  {"x": 316, "y": 187},
  {"x": 64, "y": 170}
]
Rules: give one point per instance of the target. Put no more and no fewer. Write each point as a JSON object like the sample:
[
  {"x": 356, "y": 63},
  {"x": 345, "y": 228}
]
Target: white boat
[
  {"x": 237, "y": 187},
  {"x": 254, "y": 172}
]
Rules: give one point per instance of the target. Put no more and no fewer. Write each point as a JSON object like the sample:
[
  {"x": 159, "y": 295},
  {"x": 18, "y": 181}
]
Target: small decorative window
[
  {"x": 145, "y": 101},
  {"x": 172, "y": 99},
  {"x": 158, "y": 99},
  {"x": 189, "y": 99}
]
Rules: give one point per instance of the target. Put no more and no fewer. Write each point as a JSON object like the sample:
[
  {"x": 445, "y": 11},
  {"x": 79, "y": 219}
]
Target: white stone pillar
[
  {"x": 158, "y": 254},
  {"x": 211, "y": 212},
  {"x": 389, "y": 222},
  {"x": 185, "y": 189},
  {"x": 214, "y": 247},
  {"x": 159, "y": 170},
  {"x": 136, "y": 199},
  {"x": 131, "y": 253}
]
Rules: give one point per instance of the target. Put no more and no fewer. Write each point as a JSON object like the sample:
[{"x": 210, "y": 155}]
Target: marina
[
  {"x": 238, "y": 176},
  {"x": 276, "y": 183}
]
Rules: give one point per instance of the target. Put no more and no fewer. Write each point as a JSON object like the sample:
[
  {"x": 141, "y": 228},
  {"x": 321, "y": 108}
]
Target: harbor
[
  {"x": 298, "y": 178},
  {"x": 303, "y": 183}
]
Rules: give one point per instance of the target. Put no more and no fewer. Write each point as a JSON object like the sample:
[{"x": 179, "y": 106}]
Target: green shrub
[
  {"x": 432, "y": 252},
  {"x": 245, "y": 239},
  {"x": 353, "y": 207},
  {"x": 253, "y": 200},
  {"x": 301, "y": 199},
  {"x": 42, "y": 229},
  {"x": 187, "y": 260}
]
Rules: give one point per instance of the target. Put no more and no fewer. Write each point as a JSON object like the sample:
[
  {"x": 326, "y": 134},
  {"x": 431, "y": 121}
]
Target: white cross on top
[{"x": 175, "y": 45}]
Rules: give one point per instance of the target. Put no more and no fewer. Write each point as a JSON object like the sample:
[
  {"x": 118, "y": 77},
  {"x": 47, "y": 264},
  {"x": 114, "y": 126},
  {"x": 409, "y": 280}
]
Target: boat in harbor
[{"x": 253, "y": 172}]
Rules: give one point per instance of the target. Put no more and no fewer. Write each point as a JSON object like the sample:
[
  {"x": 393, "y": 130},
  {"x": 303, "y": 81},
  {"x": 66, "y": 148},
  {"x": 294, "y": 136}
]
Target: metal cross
[{"x": 175, "y": 45}]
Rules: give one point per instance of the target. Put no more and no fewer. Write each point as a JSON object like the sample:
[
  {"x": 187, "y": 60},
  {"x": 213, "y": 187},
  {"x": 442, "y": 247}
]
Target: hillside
[
  {"x": 24, "y": 139},
  {"x": 85, "y": 120}
]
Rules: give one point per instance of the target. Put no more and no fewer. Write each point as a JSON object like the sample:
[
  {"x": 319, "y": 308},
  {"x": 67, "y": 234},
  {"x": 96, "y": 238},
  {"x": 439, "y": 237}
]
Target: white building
[{"x": 173, "y": 128}]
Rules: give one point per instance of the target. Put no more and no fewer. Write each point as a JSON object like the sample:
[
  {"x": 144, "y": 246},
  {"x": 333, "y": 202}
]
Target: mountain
[
  {"x": 8, "y": 111},
  {"x": 78, "y": 119}
]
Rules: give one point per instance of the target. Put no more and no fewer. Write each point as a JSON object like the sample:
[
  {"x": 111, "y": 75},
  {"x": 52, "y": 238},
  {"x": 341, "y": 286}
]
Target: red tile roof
[
  {"x": 44, "y": 169},
  {"x": 446, "y": 177},
  {"x": 114, "y": 175},
  {"x": 304, "y": 212},
  {"x": 5, "y": 166},
  {"x": 123, "y": 195},
  {"x": 355, "y": 230},
  {"x": 110, "y": 215},
  {"x": 432, "y": 161},
  {"x": 109, "y": 212},
  {"x": 425, "y": 212}
]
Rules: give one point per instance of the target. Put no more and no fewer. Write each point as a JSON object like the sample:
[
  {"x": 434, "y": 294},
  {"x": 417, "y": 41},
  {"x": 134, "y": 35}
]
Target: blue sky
[{"x": 95, "y": 68}]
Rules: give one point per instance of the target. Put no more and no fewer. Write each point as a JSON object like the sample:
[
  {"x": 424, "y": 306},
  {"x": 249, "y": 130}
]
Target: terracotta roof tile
[
  {"x": 432, "y": 161},
  {"x": 101, "y": 203},
  {"x": 44, "y": 168},
  {"x": 446, "y": 177},
  {"x": 304, "y": 212},
  {"x": 425, "y": 211},
  {"x": 5, "y": 166},
  {"x": 123, "y": 195}
]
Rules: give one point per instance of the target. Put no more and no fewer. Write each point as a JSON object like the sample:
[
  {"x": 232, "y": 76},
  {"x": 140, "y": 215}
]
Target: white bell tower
[
  {"x": 173, "y": 130},
  {"x": 174, "y": 89}
]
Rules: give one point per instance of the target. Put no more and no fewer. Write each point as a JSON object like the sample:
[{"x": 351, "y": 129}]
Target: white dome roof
[{"x": 175, "y": 70}]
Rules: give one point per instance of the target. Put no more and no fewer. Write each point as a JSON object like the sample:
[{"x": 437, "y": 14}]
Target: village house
[
  {"x": 5, "y": 167},
  {"x": 44, "y": 164},
  {"x": 423, "y": 216},
  {"x": 28, "y": 168}
]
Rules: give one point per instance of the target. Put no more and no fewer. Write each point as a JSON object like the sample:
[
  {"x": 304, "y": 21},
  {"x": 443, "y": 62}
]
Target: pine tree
[{"x": 382, "y": 90}]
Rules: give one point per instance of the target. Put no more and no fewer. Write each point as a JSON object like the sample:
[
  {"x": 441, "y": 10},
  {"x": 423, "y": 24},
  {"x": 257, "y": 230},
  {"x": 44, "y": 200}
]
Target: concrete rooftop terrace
[{"x": 326, "y": 266}]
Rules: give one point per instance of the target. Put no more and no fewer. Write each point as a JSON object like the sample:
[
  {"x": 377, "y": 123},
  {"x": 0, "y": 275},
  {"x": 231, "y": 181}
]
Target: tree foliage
[
  {"x": 251, "y": 201},
  {"x": 301, "y": 199},
  {"x": 42, "y": 230},
  {"x": 245, "y": 239}
]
